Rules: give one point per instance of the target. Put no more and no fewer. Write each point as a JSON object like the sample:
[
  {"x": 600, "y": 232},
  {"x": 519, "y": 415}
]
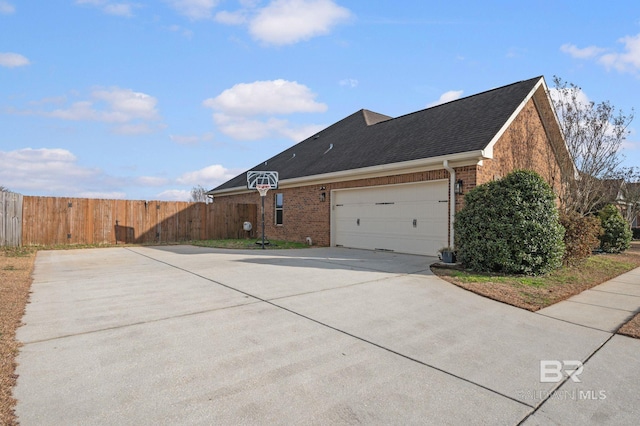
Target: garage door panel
[{"x": 383, "y": 217}]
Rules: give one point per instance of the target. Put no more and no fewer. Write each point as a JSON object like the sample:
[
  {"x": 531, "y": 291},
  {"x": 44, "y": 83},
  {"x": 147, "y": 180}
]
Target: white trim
[
  {"x": 463, "y": 159},
  {"x": 488, "y": 151},
  {"x": 452, "y": 199}
]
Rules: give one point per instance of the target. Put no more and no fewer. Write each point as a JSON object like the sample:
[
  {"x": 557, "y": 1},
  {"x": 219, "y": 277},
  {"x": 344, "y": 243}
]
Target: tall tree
[
  {"x": 630, "y": 194},
  {"x": 594, "y": 134},
  {"x": 199, "y": 194}
]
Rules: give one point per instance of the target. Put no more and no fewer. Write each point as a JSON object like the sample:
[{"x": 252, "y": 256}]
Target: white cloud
[
  {"x": 266, "y": 98},
  {"x": 109, "y": 7},
  {"x": 300, "y": 133},
  {"x": 127, "y": 111},
  {"x": 110, "y": 195},
  {"x": 584, "y": 53},
  {"x": 243, "y": 128},
  {"x": 6, "y": 8},
  {"x": 581, "y": 97},
  {"x": 629, "y": 60},
  {"x": 290, "y": 21},
  {"x": 194, "y": 9},
  {"x": 248, "y": 111},
  {"x": 210, "y": 176},
  {"x": 174, "y": 195},
  {"x": 119, "y": 9},
  {"x": 178, "y": 29},
  {"x": 45, "y": 170},
  {"x": 449, "y": 96},
  {"x": 135, "y": 129},
  {"x": 232, "y": 18},
  {"x": 127, "y": 105},
  {"x": 12, "y": 60},
  {"x": 350, "y": 82}
]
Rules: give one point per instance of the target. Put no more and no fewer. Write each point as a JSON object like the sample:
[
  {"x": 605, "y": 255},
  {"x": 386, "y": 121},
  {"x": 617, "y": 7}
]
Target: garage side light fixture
[{"x": 458, "y": 187}]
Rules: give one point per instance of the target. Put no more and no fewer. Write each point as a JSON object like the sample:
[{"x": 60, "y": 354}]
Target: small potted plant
[{"x": 447, "y": 254}]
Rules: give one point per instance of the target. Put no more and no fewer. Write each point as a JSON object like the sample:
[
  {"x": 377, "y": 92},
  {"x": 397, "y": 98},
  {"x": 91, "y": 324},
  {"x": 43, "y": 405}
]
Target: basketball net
[{"x": 262, "y": 189}]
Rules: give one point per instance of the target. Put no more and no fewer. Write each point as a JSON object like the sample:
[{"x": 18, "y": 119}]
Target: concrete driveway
[{"x": 187, "y": 335}]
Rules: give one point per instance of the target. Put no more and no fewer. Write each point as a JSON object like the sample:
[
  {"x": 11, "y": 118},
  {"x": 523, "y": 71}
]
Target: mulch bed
[{"x": 632, "y": 328}]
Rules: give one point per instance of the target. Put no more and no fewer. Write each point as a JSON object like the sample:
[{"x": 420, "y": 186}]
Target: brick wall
[
  {"x": 525, "y": 145},
  {"x": 305, "y": 214}
]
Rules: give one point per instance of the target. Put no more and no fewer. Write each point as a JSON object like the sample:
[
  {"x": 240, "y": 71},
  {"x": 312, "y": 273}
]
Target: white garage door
[{"x": 408, "y": 218}]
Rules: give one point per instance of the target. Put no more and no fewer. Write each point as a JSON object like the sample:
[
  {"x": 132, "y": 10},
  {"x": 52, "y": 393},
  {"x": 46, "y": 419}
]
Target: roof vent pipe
[
  {"x": 329, "y": 149},
  {"x": 452, "y": 199}
]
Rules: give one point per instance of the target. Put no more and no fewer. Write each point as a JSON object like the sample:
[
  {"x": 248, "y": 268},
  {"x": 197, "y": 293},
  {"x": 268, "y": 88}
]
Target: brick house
[{"x": 375, "y": 182}]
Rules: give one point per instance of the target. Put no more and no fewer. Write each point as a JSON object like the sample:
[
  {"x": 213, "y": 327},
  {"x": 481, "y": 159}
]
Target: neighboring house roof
[
  {"x": 367, "y": 139},
  {"x": 612, "y": 190}
]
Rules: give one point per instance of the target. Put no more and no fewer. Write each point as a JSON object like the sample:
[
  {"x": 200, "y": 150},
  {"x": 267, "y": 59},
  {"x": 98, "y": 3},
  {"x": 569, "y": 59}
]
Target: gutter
[
  {"x": 452, "y": 198},
  {"x": 432, "y": 163}
]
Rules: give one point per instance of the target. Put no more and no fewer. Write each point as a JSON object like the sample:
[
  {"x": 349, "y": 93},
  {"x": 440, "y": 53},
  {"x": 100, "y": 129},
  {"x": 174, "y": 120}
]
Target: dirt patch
[{"x": 16, "y": 266}]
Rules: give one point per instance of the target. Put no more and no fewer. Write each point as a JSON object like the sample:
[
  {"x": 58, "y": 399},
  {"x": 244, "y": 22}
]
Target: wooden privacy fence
[
  {"x": 54, "y": 221},
  {"x": 10, "y": 219}
]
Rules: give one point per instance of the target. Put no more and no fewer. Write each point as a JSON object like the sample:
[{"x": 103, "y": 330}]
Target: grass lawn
[{"x": 535, "y": 293}]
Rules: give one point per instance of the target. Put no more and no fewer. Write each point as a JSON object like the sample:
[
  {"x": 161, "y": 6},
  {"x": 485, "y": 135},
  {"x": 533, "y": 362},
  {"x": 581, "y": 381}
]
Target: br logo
[{"x": 553, "y": 371}]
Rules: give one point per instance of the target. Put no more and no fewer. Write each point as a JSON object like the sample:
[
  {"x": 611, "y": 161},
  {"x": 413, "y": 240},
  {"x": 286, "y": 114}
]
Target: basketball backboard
[{"x": 258, "y": 177}]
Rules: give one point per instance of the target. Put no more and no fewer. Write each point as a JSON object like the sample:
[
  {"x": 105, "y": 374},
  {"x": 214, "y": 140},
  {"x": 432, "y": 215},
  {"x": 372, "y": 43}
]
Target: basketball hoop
[
  {"x": 263, "y": 181},
  {"x": 263, "y": 188}
]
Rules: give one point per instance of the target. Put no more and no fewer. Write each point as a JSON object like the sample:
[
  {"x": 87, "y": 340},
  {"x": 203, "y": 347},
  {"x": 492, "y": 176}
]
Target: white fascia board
[
  {"x": 469, "y": 158},
  {"x": 230, "y": 191},
  {"x": 576, "y": 175},
  {"x": 488, "y": 151},
  {"x": 421, "y": 165}
]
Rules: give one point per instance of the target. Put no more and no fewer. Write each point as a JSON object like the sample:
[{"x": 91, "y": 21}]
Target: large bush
[
  {"x": 616, "y": 235},
  {"x": 511, "y": 226},
  {"x": 581, "y": 236}
]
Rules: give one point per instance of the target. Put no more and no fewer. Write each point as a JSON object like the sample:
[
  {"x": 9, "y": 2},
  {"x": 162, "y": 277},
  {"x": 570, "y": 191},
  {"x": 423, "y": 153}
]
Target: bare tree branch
[
  {"x": 594, "y": 134},
  {"x": 199, "y": 194}
]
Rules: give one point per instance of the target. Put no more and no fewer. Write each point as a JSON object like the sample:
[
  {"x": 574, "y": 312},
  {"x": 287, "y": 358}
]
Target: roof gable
[{"x": 367, "y": 139}]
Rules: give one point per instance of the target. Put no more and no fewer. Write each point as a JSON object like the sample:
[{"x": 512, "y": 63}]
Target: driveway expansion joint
[
  {"x": 598, "y": 306},
  {"x": 133, "y": 324},
  {"x": 346, "y": 333}
]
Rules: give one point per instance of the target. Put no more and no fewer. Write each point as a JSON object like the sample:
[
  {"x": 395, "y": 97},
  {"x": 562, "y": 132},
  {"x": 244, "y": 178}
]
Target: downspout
[{"x": 452, "y": 197}]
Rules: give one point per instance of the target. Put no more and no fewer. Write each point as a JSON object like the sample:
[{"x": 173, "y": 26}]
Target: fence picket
[
  {"x": 62, "y": 221},
  {"x": 10, "y": 219}
]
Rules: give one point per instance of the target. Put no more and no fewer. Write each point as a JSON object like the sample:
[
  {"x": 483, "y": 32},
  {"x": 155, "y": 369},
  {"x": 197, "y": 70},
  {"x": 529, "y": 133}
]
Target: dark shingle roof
[{"x": 366, "y": 138}]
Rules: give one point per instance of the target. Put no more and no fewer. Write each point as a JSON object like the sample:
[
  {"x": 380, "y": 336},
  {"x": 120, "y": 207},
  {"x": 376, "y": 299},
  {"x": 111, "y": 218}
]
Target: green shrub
[
  {"x": 511, "y": 226},
  {"x": 581, "y": 236},
  {"x": 616, "y": 235}
]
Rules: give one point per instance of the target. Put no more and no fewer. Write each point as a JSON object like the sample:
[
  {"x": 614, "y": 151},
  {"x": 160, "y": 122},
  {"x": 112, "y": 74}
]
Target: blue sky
[{"x": 146, "y": 99}]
